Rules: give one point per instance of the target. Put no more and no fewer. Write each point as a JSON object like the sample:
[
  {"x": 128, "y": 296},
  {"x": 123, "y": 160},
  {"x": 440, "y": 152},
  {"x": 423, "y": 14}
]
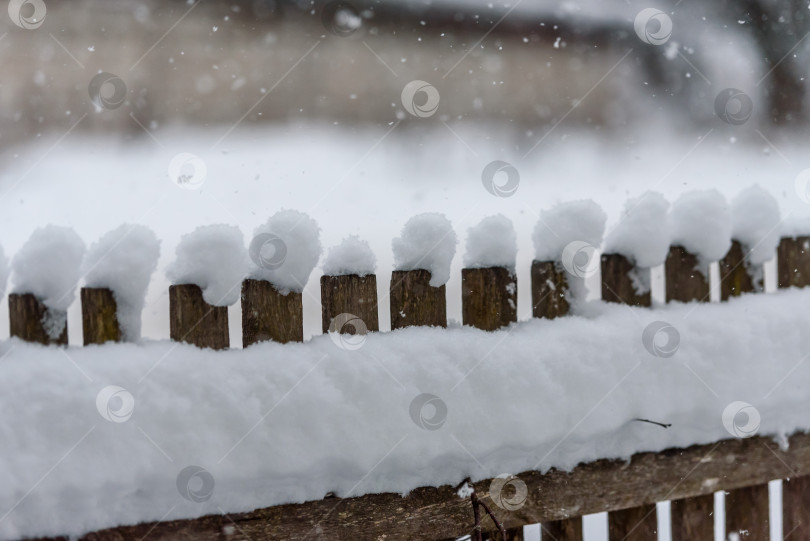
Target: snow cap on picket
[
  {"x": 48, "y": 266},
  {"x": 491, "y": 243},
  {"x": 642, "y": 234},
  {"x": 755, "y": 223},
  {"x": 284, "y": 250},
  {"x": 564, "y": 223},
  {"x": 123, "y": 260},
  {"x": 428, "y": 242},
  {"x": 701, "y": 222},
  {"x": 214, "y": 258},
  {"x": 351, "y": 256}
]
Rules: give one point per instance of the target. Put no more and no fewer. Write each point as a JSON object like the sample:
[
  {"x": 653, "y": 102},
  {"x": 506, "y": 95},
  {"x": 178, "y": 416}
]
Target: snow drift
[{"x": 288, "y": 423}]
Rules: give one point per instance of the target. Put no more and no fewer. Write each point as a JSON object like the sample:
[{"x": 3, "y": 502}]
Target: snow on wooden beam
[{"x": 439, "y": 513}]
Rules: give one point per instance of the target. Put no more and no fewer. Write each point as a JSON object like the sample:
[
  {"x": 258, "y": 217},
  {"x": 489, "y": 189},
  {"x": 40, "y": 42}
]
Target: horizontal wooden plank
[{"x": 438, "y": 513}]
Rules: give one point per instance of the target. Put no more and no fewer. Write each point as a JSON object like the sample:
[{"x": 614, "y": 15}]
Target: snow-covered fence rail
[{"x": 628, "y": 491}]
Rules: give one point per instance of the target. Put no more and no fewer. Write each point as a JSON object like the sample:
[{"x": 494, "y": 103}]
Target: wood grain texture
[
  {"x": 745, "y": 507},
  {"x": 634, "y": 524},
  {"x": 415, "y": 302},
  {"x": 796, "y": 508},
  {"x": 438, "y": 513},
  {"x": 514, "y": 534},
  {"x": 488, "y": 298},
  {"x": 99, "y": 316},
  {"x": 793, "y": 262},
  {"x": 618, "y": 281},
  {"x": 549, "y": 287},
  {"x": 27, "y": 317},
  {"x": 563, "y": 530},
  {"x": 269, "y": 315},
  {"x": 793, "y": 269},
  {"x": 692, "y": 518},
  {"x": 194, "y": 321},
  {"x": 684, "y": 282},
  {"x": 747, "y": 513},
  {"x": 735, "y": 274},
  {"x": 349, "y": 294}
]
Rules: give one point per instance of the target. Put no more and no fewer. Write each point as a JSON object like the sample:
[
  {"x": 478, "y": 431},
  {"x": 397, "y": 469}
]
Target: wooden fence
[{"x": 557, "y": 500}]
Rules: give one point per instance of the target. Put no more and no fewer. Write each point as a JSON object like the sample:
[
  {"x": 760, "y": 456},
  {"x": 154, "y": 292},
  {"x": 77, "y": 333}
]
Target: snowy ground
[{"x": 369, "y": 183}]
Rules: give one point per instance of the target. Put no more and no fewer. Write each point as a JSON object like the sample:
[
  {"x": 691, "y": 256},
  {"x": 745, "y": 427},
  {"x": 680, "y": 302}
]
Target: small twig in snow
[{"x": 665, "y": 425}]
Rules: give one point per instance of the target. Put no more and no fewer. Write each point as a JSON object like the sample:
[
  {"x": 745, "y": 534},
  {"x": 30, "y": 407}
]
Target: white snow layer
[
  {"x": 701, "y": 223},
  {"x": 491, "y": 243},
  {"x": 214, "y": 258},
  {"x": 4, "y": 271},
  {"x": 428, "y": 242},
  {"x": 568, "y": 222},
  {"x": 642, "y": 233},
  {"x": 285, "y": 250},
  {"x": 48, "y": 266},
  {"x": 351, "y": 256},
  {"x": 563, "y": 391},
  {"x": 124, "y": 260},
  {"x": 755, "y": 223}
]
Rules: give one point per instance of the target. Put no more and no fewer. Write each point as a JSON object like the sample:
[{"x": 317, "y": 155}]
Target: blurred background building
[{"x": 528, "y": 64}]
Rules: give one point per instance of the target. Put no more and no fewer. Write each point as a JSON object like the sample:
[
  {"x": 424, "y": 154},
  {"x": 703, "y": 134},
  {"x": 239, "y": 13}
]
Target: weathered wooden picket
[{"x": 628, "y": 491}]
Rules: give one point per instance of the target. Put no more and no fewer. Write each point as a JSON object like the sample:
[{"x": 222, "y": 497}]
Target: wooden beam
[
  {"x": 99, "y": 316},
  {"x": 194, "y": 321},
  {"x": 488, "y": 298},
  {"x": 796, "y": 508},
  {"x": 415, "y": 302},
  {"x": 27, "y": 317},
  {"x": 549, "y": 287},
  {"x": 563, "y": 530},
  {"x": 734, "y": 274},
  {"x": 617, "y": 281},
  {"x": 638, "y": 523},
  {"x": 747, "y": 513},
  {"x": 695, "y": 519},
  {"x": 269, "y": 315},
  {"x": 349, "y": 294},
  {"x": 793, "y": 262},
  {"x": 684, "y": 282},
  {"x": 438, "y": 512}
]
